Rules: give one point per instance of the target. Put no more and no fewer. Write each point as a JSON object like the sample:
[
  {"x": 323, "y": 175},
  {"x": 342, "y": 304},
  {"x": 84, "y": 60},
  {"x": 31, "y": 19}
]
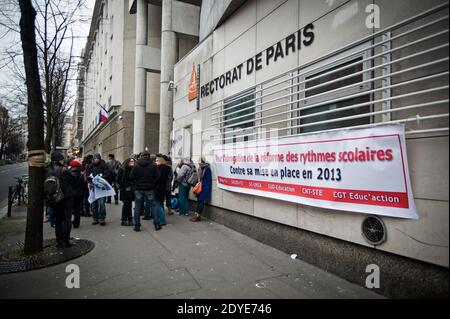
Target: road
[{"x": 7, "y": 174}]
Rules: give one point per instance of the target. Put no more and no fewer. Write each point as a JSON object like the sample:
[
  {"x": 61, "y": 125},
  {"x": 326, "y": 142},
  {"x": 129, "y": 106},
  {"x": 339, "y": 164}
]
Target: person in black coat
[
  {"x": 78, "y": 188},
  {"x": 170, "y": 177},
  {"x": 126, "y": 187},
  {"x": 162, "y": 185},
  {"x": 86, "y": 206},
  {"x": 113, "y": 167},
  {"x": 98, "y": 167},
  {"x": 144, "y": 174},
  {"x": 62, "y": 209}
]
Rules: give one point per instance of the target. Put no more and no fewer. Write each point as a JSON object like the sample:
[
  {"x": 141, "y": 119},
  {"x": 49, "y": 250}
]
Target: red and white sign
[
  {"x": 193, "y": 85},
  {"x": 359, "y": 170}
]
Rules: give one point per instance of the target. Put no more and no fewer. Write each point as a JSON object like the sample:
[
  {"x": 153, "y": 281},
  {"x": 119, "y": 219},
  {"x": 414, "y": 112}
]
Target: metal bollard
[{"x": 10, "y": 191}]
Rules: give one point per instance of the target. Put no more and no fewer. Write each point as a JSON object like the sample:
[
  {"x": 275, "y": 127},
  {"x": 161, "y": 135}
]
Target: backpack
[
  {"x": 52, "y": 189},
  {"x": 192, "y": 178}
]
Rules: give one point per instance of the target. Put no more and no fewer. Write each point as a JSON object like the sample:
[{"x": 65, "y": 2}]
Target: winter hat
[
  {"x": 74, "y": 163},
  {"x": 57, "y": 156},
  {"x": 145, "y": 155},
  {"x": 97, "y": 155}
]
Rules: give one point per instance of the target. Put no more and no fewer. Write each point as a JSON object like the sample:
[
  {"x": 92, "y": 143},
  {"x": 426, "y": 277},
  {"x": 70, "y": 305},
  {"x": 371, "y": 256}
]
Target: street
[
  {"x": 184, "y": 260},
  {"x": 7, "y": 174}
]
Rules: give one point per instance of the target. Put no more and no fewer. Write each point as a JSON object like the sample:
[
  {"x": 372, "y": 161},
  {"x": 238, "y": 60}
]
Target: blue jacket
[{"x": 206, "y": 179}]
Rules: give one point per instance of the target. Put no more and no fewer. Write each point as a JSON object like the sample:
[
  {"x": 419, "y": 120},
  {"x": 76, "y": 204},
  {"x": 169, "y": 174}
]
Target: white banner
[
  {"x": 99, "y": 188},
  {"x": 359, "y": 170}
]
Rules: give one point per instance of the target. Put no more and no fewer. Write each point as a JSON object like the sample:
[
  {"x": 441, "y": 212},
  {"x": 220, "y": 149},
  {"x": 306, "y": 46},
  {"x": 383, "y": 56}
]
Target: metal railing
[
  {"x": 18, "y": 193},
  {"x": 397, "y": 75}
]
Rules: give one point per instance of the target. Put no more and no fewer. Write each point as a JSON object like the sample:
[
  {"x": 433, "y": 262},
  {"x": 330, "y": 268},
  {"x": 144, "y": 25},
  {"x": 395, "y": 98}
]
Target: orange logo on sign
[{"x": 193, "y": 91}]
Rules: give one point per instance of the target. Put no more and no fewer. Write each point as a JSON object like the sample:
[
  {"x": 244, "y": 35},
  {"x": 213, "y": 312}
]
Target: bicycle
[{"x": 20, "y": 191}]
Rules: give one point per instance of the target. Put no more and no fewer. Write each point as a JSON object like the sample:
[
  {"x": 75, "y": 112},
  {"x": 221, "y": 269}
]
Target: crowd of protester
[{"x": 147, "y": 180}]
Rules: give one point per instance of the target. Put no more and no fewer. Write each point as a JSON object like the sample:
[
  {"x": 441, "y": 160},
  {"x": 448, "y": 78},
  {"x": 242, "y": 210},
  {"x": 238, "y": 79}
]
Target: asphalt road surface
[{"x": 7, "y": 174}]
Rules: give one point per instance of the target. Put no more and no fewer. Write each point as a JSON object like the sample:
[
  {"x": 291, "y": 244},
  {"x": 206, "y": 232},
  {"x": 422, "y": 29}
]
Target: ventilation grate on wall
[{"x": 374, "y": 230}]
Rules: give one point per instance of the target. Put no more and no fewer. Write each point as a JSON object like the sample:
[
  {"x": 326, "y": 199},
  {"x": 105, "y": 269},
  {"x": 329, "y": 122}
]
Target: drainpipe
[
  {"x": 168, "y": 60},
  {"x": 140, "y": 81}
]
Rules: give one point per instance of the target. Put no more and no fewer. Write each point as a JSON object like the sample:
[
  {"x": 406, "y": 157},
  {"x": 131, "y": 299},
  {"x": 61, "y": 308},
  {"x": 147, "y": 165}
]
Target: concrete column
[
  {"x": 140, "y": 80},
  {"x": 168, "y": 59}
]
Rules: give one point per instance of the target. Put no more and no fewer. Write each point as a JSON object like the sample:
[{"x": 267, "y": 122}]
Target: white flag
[{"x": 101, "y": 188}]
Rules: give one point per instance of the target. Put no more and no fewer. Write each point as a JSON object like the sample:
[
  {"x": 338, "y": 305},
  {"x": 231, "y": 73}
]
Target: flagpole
[{"x": 101, "y": 107}]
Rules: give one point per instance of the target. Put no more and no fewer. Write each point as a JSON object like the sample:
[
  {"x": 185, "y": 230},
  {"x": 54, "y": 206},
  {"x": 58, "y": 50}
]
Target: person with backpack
[
  {"x": 78, "y": 188},
  {"x": 98, "y": 167},
  {"x": 113, "y": 166},
  {"x": 59, "y": 194},
  {"x": 186, "y": 178},
  {"x": 126, "y": 186},
  {"x": 205, "y": 189},
  {"x": 144, "y": 175}
]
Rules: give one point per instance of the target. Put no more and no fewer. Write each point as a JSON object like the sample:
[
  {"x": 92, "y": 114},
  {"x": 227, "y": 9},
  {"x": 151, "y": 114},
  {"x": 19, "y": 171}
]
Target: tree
[
  {"x": 54, "y": 39},
  {"x": 9, "y": 129},
  {"x": 15, "y": 145},
  {"x": 4, "y": 126},
  {"x": 56, "y": 66},
  {"x": 35, "y": 208},
  {"x": 60, "y": 105}
]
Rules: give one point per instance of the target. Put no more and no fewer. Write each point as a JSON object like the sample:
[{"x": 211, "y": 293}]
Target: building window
[
  {"x": 238, "y": 115},
  {"x": 322, "y": 84}
]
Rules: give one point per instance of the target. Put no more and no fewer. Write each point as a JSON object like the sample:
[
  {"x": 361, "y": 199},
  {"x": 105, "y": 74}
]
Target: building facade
[
  {"x": 123, "y": 74},
  {"x": 67, "y": 131},
  {"x": 294, "y": 68},
  {"x": 78, "y": 110}
]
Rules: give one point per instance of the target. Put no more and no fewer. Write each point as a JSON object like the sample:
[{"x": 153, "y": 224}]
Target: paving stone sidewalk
[{"x": 183, "y": 260}]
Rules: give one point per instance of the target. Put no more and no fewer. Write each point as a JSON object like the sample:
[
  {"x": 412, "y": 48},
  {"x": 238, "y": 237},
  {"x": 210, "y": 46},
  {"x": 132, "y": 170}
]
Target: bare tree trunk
[
  {"x": 54, "y": 136},
  {"x": 48, "y": 144},
  {"x": 34, "y": 231}
]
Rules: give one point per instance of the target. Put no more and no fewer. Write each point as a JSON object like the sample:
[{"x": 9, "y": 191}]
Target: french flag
[{"x": 102, "y": 115}]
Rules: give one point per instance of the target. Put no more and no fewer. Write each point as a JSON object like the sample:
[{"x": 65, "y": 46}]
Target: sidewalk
[{"x": 183, "y": 260}]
